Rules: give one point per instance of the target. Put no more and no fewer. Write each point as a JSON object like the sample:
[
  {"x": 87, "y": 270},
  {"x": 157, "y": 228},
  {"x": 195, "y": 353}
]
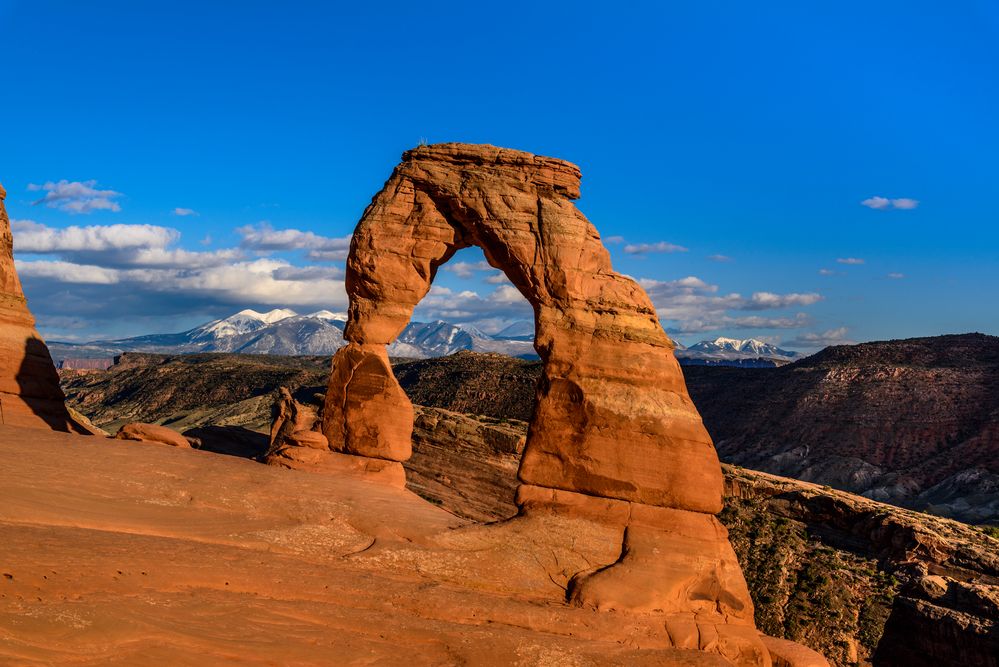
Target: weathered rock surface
[
  {"x": 464, "y": 464},
  {"x": 29, "y": 385},
  {"x": 614, "y": 437},
  {"x": 862, "y": 581},
  {"x": 160, "y": 555},
  {"x": 152, "y": 433}
]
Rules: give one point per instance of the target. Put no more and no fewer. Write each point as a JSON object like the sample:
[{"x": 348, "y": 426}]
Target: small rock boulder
[{"x": 152, "y": 433}]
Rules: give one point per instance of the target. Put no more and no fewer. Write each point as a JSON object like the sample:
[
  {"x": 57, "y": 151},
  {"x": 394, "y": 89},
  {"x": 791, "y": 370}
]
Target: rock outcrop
[
  {"x": 29, "y": 385},
  {"x": 162, "y": 435},
  {"x": 294, "y": 425},
  {"x": 615, "y": 439}
]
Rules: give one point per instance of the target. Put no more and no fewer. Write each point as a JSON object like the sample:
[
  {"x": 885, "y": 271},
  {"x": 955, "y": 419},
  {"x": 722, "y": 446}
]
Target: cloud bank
[{"x": 76, "y": 196}]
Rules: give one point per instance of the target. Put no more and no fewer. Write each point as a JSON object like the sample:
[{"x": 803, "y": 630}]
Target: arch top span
[{"x": 613, "y": 418}]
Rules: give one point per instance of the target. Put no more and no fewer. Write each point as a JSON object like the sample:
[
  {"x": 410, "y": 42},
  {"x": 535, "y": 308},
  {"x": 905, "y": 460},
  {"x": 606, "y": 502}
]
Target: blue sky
[{"x": 749, "y": 133}]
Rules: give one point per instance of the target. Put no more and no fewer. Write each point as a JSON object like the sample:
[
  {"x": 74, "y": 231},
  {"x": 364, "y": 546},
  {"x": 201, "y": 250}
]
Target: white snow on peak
[
  {"x": 276, "y": 315},
  {"x": 328, "y": 315}
]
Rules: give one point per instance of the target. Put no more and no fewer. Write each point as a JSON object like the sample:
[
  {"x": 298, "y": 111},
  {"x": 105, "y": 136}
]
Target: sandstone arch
[{"x": 613, "y": 417}]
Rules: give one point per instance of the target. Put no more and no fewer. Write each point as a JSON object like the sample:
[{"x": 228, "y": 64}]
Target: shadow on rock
[{"x": 230, "y": 440}]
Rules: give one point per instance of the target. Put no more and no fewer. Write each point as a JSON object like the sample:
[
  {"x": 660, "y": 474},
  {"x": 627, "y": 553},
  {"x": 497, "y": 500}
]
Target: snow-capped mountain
[
  {"x": 283, "y": 331},
  {"x": 731, "y": 351},
  {"x": 243, "y": 322}
]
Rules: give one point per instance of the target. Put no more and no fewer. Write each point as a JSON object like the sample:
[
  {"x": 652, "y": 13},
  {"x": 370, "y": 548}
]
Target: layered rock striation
[{"x": 29, "y": 385}]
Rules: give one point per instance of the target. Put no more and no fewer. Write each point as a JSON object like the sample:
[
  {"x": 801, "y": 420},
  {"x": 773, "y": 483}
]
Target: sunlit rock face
[{"x": 29, "y": 386}]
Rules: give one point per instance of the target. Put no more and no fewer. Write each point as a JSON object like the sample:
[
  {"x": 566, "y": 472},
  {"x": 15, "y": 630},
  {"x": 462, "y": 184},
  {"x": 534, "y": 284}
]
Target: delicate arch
[{"x": 613, "y": 418}]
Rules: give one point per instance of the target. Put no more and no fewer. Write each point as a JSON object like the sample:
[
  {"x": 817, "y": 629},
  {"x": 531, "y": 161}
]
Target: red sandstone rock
[
  {"x": 29, "y": 385},
  {"x": 371, "y": 414},
  {"x": 152, "y": 433}
]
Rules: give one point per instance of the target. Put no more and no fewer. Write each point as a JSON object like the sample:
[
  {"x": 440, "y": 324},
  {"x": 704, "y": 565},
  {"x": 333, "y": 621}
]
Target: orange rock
[
  {"x": 29, "y": 386},
  {"x": 290, "y": 418},
  {"x": 152, "y": 433},
  {"x": 370, "y": 414}
]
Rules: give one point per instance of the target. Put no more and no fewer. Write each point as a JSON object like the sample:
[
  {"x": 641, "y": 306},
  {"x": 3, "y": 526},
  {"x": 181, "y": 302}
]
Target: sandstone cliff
[{"x": 29, "y": 386}]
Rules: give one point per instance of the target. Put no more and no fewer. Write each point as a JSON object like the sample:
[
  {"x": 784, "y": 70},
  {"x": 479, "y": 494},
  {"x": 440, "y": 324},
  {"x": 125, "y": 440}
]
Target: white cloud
[
  {"x": 850, "y": 260},
  {"x": 876, "y": 202},
  {"x": 824, "y": 339},
  {"x": 33, "y": 237},
  {"x": 896, "y": 276},
  {"x": 769, "y": 300},
  {"x": 693, "y": 305},
  {"x": 184, "y": 211},
  {"x": 76, "y": 196},
  {"x": 614, "y": 239},
  {"x": 114, "y": 245},
  {"x": 719, "y": 258},
  {"x": 660, "y": 246},
  {"x": 66, "y": 272},
  {"x": 828, "y": 272},
  {"x": 263, "y": 237},
  {"x": 498, "y": 278},
  {"x": 503, "y": 303},
  {"x": 262, "y": 281},
  {"x": 884, "y": 203},
  {"x": 466, "y": 269},
  {"x": 116, "y": 275}
]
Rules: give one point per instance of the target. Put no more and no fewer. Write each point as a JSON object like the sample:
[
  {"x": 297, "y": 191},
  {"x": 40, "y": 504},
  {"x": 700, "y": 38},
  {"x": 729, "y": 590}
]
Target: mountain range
[
  {"x": 733, "y": 352},
  {"x": 285, "y": 332}
]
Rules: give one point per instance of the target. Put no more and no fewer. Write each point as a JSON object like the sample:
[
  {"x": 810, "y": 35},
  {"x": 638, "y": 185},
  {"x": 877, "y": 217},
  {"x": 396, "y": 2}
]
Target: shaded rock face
[
  {"x": 29, "y": 385},
  {"x": 614, "y": 439}
]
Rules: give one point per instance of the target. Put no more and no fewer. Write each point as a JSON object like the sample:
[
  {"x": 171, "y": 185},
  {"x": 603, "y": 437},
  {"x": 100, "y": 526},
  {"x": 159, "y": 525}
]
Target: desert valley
[{"x": 369, "y": 534}]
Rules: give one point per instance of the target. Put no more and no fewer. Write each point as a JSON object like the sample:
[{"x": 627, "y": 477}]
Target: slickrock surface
[
  {"x": 29, "y": 385},
  {"x": 614, "y": 437},
  {"x": 117, "y": 554}
]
